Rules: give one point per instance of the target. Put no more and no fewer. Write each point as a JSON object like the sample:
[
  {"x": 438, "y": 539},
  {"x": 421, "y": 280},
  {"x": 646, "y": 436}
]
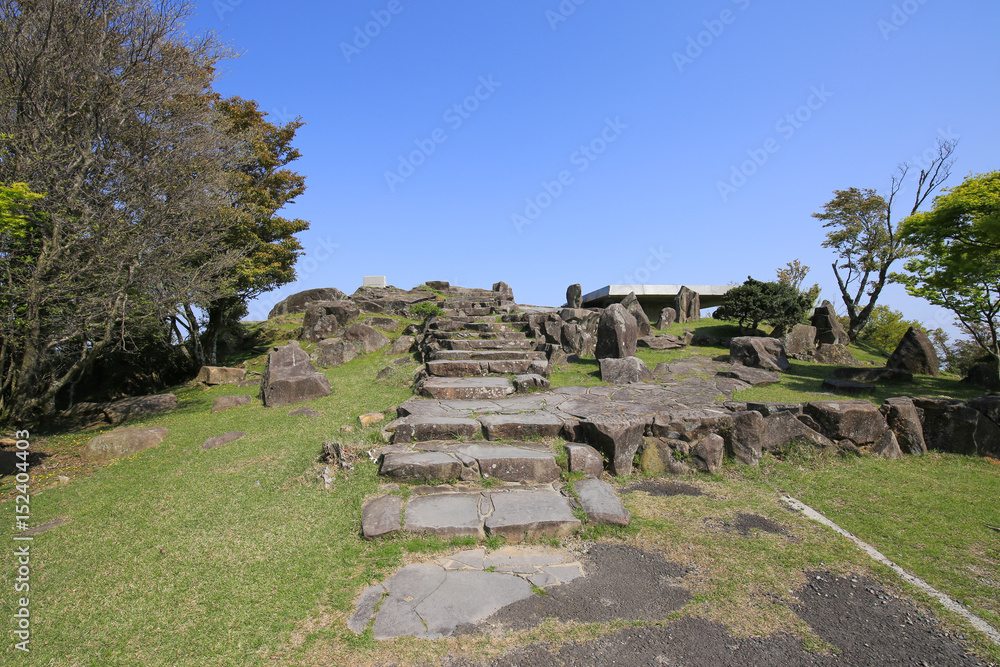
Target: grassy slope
[{"x": 239, "y": 556}]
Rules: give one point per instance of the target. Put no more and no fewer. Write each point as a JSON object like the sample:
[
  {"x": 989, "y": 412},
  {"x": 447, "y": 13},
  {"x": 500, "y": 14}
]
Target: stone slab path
[{"x": 431, "y": 600}]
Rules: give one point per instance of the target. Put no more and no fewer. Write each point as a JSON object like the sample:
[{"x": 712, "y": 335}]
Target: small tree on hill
[
  {"x": 794, "y": 274},
  {"x": 778, "y": 304}
]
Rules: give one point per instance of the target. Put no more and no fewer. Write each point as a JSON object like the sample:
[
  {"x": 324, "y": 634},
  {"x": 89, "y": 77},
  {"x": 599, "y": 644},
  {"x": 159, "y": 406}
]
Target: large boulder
[
  {"x": 575, "y": 339},
  {"x": 616, "y": 333},
  {"x": 323, "y": 319},
  {"x": 296, "y": 303},
  {"x": 952, "y": 426},
  {"x": 706, "y": 454},
  {"x": 757, "y": 352},
  {"x": 289, "y": 377},
  {"x": 214, "y": 375},
  {"x": 903, "y": 419},
  {"x": 828, "y": 327},
  {"x": 745, "y": 439},
  {"x": 122, "y": 441},
  {"x": 688, "y": 305},
  {"x": 783, "y": 430},
  {"x": 366, "y": 338},
  {"x": 334, "y": 352},
  {"x": 138, "y": 406},
  {"x": 667, "y": 317},
  {"x": 989, "y": 406},
  {"x": 835, "y": 354},
  {"x": 574, "y": 296},
  {"x": 690, "y": 424},
  {"x": 624, "y": 371},
  {"x": 874, "y": 375},
  {"x": 503, "y": 292},
  {"x": 617, "y": 437},
  {"x": 983, "y": 376},
  {"x": 801, "y": 339},
  {"x": 857, "y": 421},
  {"x": 632, "y": 305},
  {"x": 584, "y": 459},
  {"x": 915, "y": 353}
]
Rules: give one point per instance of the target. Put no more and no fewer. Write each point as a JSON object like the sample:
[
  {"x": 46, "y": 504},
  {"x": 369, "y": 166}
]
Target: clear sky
[{"x": 545, "y": 143}]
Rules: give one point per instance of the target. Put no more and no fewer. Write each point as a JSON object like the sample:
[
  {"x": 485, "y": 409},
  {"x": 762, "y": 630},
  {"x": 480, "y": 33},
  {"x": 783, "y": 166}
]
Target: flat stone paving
[{"x": 430, "y": 600}]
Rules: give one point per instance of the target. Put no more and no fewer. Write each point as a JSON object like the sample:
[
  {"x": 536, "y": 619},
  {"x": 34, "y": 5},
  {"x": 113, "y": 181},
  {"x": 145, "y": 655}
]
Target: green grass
[{"x": 240, "y": 556}]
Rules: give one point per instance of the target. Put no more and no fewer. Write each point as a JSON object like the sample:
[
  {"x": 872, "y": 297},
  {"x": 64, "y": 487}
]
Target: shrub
[
  {"x": 753, "y": 302},
  {"x": 426, "y": 310}
]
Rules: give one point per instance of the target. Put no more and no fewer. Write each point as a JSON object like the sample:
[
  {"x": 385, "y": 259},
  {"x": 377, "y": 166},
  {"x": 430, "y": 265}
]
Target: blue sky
[{"x": 546, "y": 143}]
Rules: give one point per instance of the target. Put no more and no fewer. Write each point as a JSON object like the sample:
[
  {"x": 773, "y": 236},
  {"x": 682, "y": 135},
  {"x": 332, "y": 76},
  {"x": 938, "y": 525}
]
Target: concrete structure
[
  {"x": 373, "y": 281},
  {"x": 653, "y": 298}
]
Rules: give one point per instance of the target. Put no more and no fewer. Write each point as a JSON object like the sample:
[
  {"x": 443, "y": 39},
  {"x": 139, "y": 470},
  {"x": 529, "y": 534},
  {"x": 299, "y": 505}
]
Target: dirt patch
[
  {"x": 746, "y": 524},
  {"x": 661, "y": 488},
  {"x": 620, "y": 582},
  {"x": 864, "y": 624}
]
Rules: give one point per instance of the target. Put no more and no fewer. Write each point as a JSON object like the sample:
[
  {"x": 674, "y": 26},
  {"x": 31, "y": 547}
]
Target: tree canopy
[
  {"x": 754, "y": 302},
  {"x": 958, "y": 266}
]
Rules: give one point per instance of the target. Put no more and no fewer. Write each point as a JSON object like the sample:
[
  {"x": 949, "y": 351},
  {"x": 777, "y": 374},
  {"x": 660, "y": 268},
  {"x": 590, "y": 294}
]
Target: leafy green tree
[
  {"x": 866, "y": 238},
  {"x": 754, "y": 302},
  {"x": 886, "y": 327},
  {"x": 794, "y": 274},
  {"x": 958, "y": 265}
]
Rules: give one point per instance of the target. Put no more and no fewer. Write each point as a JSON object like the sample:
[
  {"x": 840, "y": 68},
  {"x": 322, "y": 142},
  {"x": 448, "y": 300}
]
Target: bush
[
  {"x": 782, "y": 306},
  {"x": 426, "y": 310}
]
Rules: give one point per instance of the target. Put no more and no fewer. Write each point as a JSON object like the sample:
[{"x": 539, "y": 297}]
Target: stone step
[
  {"x": 448, "y": 512},
  {"x": 522, "y": 425},
  {"x": 446, "y": 460},
  {"x": 521, "y": 343},
  {"x": 416, "y": 429},
  {"x": 468, "y": 312},
  {"x": 472, "y": 368},
  {"x": 495, "y": 327},
  {"x": 481, "y": 388},
  {"x": 485, "y": 355}
]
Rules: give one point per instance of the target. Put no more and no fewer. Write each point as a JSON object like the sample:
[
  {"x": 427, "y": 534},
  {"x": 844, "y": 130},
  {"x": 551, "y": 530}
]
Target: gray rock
[
  {"x": 574, "y": 296},
  {"x": 402, "y": 345},
  {"x": 366, "y": 338},
  {"x": 745, "y": 440},
  {"x": 667, "y": 317},
  {"x": 877, "y": 375},
  {"x": 753, "y": 376},
  {"x": 465, "y": 388},
  {"x": 766, "y": 353},
  {"x": 584, "y": 459},
  {"x": 599, "y": 501},
  {"x": 386, "y": 324},
  {"x": 616, "y": 333},
  {"x": 226, "y": 402},
  {"x": 324, "y": 319},
  {"x": 575, "y": 339},
  {"x": 626, "y": 370},
  {"x": 983, "y": 376},
  {"x": 617, "y": 437},
  {"x": 688, "y": 305},
  {"x": 304, "y": 412},
  {"x": 421, "y": 466},
  {"x": 420, "y": 429},
  {"x": 289, "y": 377},
  {"x": 706, "y": 454},
  {"x": 215, "y": 375},
  {"x": 988, "y": 405},
  {"x": 690, "y": 424},
  {"x": 296, "y": 303},
  {"x": 512, "y": 464},
  {"x": 530, "y": 515},
  {"x": 828, "y": 327},
  {"x": 122, "y": 441},
  {"x": 858, "y": 421},
  {"x": 446, "y": 515},
  {"x": 333, "y": 352},
  {"x": 642, "y": 326},
  {"x": 521, "y": 426},
  {"x": 952, "y": 426},
  {"x": 503, "y": 292},
  {"x": 848, "y": 387},
  {"x": 530, "y": 382},
  {"x": 657, "y": 456},
  {"x": 782, "y": 430},
  {"x": 661, "y": 342},
  {"x": 903, "y": 419},
  {"x": 138, "y": 406},
  {"x": 224, "y": 439},
  {"x": 886, "y": 447},
  {"x": 800, "y": 340},
  {"x": 915, "y": 353},
  {"x": 439, "y": 285},
  {"x": 832, "y": 353}
]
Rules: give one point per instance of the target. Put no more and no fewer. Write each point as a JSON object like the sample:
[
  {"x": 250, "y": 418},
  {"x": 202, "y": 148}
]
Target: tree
[
  {"x": 260, "y": 187},
  {"x": 958, "y": 266},
  {"x": 867, "y": 239},
  {"x": 753, "y": 302},
  {"x": 886, "y": 327},
  {"x": 102, "y": 110},
  {"x": 794, "y": 274}
]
